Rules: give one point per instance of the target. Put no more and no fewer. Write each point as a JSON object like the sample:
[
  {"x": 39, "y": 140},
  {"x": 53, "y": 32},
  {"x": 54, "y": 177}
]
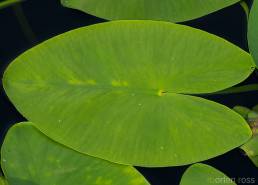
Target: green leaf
[
  {"x": 253, "y": 31},
  {"x": 243, "y": 111},
  {"x": 251, "y": 149},
  {"x": 255, "y": 108},
  {"x": 201, "y": 174},
  {"x": 7, "y": 3},
  {"x": 168, "y": 10},
  {"x": 31, "y": 158},
  {"x": 118, "y": 91},
  {"x": 252, "y": 115}
]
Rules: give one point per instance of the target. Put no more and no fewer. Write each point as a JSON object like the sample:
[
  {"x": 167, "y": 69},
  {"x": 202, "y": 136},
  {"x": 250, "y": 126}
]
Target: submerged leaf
[
  {"x": 253, "y": 31},
  {"x": 201, "y": 174},
  {"x": 31, "y": 158},
  {"x": 7, "y": 3},
  {"x": 243, "y": 111},
  {"x": 168, "y": 10},
  {"x": 251, "y": 150},
  {"x": 118, "y": 91},
  {"x": 251, "y": 147}
]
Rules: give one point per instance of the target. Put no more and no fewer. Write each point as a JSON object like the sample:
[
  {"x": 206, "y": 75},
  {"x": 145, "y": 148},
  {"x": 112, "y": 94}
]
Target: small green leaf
[
  {"x": 168, "y": 10},
  {"x": 253, "y": 31},
  {"x": 31, "y": 158},
  {"x": 255, "y": 108},
  {"x": 243, "y": 111},
  {"x": 201, "y": 174},
  {"x": 252, "y": 115},
  {"x": 121, "y": 91},
  {"x": 251, "y": 149}
]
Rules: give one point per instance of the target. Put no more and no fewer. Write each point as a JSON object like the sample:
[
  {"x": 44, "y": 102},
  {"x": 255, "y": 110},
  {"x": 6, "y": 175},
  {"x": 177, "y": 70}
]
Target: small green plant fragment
[
  {"x": 251, "y": 150},
  {"x": 243, "y": 111},
  {"x": 255, "y": 108},
  {"x": 201, "y": 174},
  {"x": 31, "y": 158},
  {"x": 245, "y": 7},
  {"x": 7, "y": 3},
  {"x": 251, "y": 147},
  {"x": 167, "y": 10},
  {"x": 118, "y": 91},
  {"x": 253, "y": 31},
  {"x": 250, "y": 115}
]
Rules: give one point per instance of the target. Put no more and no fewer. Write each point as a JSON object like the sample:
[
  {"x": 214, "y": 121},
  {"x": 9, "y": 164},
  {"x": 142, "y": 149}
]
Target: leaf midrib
[{"x": 135, "y": 90}]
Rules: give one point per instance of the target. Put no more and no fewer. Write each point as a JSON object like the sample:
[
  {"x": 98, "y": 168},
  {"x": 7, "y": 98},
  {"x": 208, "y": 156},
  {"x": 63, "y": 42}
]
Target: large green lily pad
[
  {"x": 169, "y": 10},
  {"x": 253, "y": 31},
  {"x": 31, "y": 158},
  {"x": 118, "y": 91},
  {"x": 201, "y": 174}
]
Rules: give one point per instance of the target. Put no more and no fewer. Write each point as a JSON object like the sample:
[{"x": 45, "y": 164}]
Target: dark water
[{"x": 48, "y": 18}]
